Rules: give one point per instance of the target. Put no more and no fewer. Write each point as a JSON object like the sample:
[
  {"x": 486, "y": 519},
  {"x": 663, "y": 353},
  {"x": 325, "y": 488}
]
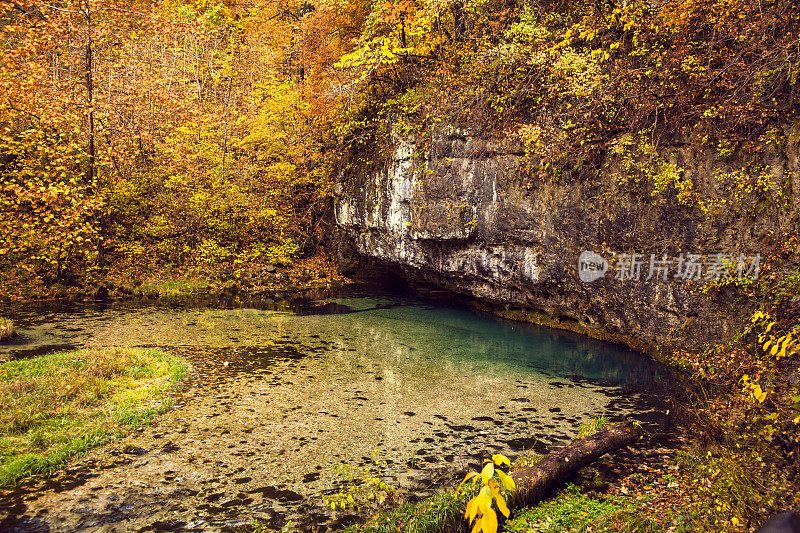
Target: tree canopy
[{"x": 207, "y": 134}]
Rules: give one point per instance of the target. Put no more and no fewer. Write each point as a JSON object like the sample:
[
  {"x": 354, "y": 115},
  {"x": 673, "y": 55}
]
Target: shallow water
[{"x": 279, "y": 396}]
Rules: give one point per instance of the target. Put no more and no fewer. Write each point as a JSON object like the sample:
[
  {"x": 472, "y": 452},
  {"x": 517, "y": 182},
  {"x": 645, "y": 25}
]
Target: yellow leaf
[
  {"x": 735, "y": 521},
  {"x": 758, "y": 394},
  {"x": 489, "y": 521},
  {"x": 484, "y": 498},
  {"x": 508, "y": 481},
  {"x": 501, "y": 504},
  {"x": 769, "y": 327},
  {"x": 796, "y": 419},
  {"x": 494, "y": 487},
  {"x": 787, "y": 342},
  {"x": 478, "y": 526},
  {"x": 467, "y": 478},
  {"x": 500, "y": 459},
  {"x": 487, "y": 473},
  {"x": 472, "y": 509}
]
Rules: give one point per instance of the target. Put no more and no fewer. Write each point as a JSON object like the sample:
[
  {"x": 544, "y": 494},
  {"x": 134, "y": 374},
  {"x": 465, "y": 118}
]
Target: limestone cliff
[{"x": 475, "y": 216}]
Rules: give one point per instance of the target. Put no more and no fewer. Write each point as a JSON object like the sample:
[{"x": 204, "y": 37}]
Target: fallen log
[{"x": 535, "y": 481}]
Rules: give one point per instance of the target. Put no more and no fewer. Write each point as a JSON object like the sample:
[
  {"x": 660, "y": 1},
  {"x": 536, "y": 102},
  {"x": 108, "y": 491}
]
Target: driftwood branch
[{"x": 534, "y": 482}]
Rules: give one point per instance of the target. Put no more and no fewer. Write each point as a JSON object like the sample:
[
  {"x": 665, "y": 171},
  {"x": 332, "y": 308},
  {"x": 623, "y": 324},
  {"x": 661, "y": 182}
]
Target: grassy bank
[
  {"x": 683, "y": 488},
  {"x": 693, "y": 491},
  {"x": 56, "y": 406}
]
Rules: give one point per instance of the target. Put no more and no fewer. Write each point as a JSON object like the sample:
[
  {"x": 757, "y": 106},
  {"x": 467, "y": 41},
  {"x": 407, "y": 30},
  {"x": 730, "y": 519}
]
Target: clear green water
[
  {"x": 458, "y": 338},
  {"x": 434, "y": 388}
]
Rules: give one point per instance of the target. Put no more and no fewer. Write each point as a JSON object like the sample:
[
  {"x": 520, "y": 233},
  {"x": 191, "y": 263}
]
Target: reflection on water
[{"x": 408, "y": 327}]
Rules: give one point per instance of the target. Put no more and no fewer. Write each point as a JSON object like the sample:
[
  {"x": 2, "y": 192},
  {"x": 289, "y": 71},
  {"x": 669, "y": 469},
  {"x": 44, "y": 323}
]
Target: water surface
[{"x": 279, "y": 396}]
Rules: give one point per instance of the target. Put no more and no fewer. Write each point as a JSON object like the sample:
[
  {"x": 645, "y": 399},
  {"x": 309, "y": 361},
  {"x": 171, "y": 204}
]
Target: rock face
[{"x": 476, "y": 217}]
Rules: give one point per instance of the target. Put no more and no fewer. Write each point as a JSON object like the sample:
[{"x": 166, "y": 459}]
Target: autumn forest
[
  {"x": 205, "y": 137},
  {"x": 470, "y": 149}
]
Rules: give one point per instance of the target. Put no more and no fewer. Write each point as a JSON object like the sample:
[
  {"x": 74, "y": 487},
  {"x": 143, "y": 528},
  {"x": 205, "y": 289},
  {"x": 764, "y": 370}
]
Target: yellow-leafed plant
[
  {"x": 774, "y": 344},
  {"x": 496, "y": 484}
]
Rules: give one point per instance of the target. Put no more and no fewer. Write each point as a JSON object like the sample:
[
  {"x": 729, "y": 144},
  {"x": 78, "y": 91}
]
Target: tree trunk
[
  {"x": 536, "y": 481},
  {"x": 90, "y": 97}
]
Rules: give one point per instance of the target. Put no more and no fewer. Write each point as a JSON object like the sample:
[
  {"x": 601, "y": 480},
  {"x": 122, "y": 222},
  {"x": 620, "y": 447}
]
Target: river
[{"x": 280, "y": 394}]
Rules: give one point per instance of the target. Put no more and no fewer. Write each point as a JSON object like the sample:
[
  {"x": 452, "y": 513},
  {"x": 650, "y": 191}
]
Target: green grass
[
  {"x": 57, "y": 406},
  {"x": 591, "y": 427},
  {"x": 571, "y": 510},
  {"x": 174, "y": 288},
  {"x": 441, "y": 513}
]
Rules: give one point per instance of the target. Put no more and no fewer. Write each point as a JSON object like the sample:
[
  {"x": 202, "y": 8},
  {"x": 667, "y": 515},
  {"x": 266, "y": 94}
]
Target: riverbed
[{"x": 280, "y": 394}]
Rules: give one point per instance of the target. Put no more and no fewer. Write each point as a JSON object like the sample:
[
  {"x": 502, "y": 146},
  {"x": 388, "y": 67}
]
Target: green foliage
[
  {"x": 569, "y": 511},
  {"x": 441, "y": 513},
  {"x": 747, "y": 189},
  {"x": 640, "y": 162},
  {"x": 281, "y": 254},
  {"x": 578, "y": 73},
  {"x": 741, "y": 285},
  {"x": 257, "y": 526},
  {"x": 594, "y": 425},
  {"x": 788, "y": 286},
  {"x": 669, "y": 176},
  {"x": 361, "y": 487},
  {"x": 172, "y": 288}
]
